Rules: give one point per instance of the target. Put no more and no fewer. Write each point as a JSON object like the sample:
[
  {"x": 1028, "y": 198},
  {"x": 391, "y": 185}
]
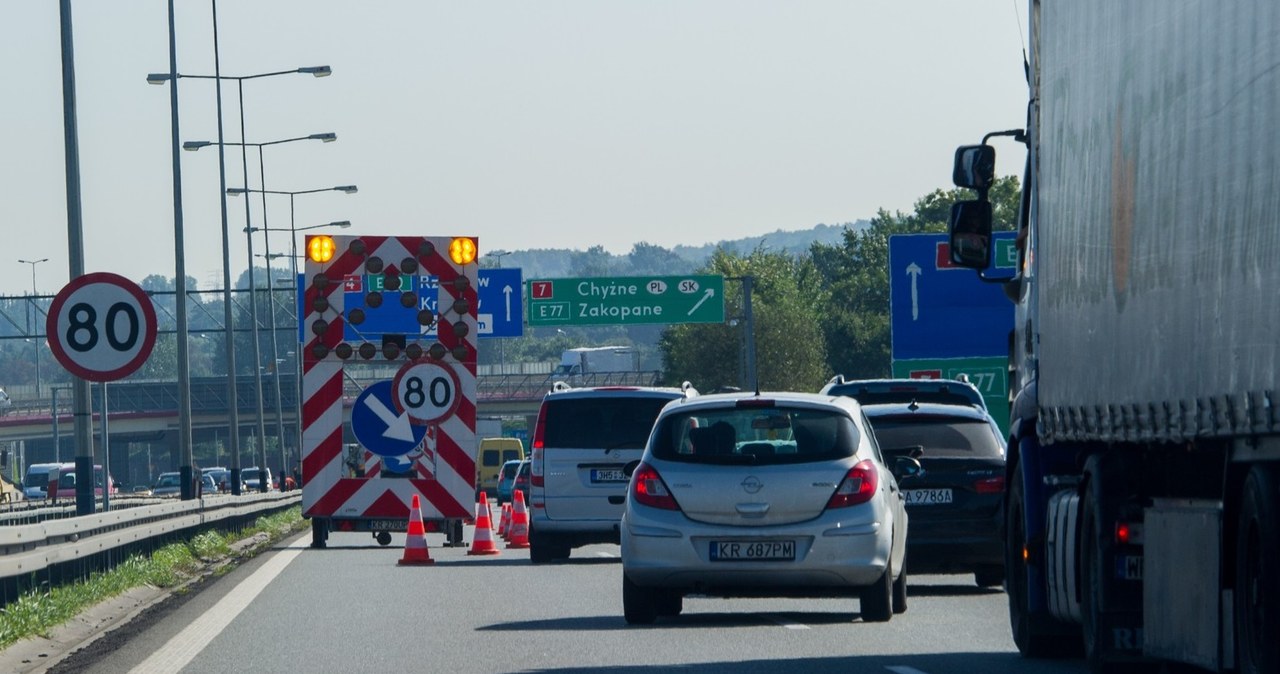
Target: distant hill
[{"x": 559, "y": 262}]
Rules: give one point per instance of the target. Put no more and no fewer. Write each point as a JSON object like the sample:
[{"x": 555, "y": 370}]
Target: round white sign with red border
[
  {"x": 101, "y": 327},
  {"x": 427, "y": 390}
]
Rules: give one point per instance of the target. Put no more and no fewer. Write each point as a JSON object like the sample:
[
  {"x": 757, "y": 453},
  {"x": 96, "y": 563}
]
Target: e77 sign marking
[{"x": 626, "y": 300}]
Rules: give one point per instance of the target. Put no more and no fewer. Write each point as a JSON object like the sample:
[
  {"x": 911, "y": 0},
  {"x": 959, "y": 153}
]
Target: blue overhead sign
[
  {"x": 501, "y": 310},
  {"x": 940, "y": 310},
  {"x": 380, "y": 428}
]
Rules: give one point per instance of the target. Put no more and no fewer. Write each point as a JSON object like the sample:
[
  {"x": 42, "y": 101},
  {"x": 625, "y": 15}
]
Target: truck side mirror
[
  {"x": 970, "y": 228},
  {"x": 975, "y": 167}
]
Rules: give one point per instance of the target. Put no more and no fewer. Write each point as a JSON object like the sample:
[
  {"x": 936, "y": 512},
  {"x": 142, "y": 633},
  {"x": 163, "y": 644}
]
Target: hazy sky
[{"x": 560, "y": 124}]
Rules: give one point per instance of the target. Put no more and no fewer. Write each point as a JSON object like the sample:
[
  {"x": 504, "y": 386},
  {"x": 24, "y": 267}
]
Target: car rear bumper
[{"x": 830, "y": 556}]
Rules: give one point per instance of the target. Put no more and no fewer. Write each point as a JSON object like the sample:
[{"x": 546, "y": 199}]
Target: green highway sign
[
  {"x": 626, "y": 300},
  {"x": 989, "y": 374}
]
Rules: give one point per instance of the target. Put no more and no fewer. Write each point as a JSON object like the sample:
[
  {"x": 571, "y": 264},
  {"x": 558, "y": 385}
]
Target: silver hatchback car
[{"x": 775, "y": 494}]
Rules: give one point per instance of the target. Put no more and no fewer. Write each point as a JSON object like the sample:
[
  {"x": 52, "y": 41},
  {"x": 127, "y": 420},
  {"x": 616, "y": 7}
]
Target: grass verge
[{"x": 40, "y": 610}]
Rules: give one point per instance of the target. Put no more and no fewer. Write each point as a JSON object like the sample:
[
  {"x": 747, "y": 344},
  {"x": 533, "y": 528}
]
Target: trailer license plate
[
  {"x": 607, "y": 475},
  {"x": 388, "y": 525},
  {"x": 750, "y": 551},
  {"x": 927, "y": 496}
]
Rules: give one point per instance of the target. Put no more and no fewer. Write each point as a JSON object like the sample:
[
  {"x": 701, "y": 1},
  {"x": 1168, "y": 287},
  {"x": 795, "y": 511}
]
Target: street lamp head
[
  {"x": 158, "y": 78},
  {"x": 193, "y": 145},
  {"x": 236, "y": 191},
  {"x": 349, "y": 189},
  {"x": 326, "y": 137},
  {"x": 341, "y": 224},
  {"x": 318, "y": 71}
]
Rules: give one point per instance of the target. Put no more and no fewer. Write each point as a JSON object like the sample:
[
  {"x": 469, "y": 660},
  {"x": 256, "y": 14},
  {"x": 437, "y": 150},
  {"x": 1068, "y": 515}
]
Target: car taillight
[
  {"x": 990, "y": 485},
  {"x": 647, "y": 488},
  {"x": 859, "y": 485},
  {"x": 535, "y": 459},
  {"x": 535, "y": 467}
]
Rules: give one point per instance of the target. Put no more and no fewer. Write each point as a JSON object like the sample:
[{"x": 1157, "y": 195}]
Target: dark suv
[
  {"x": 956, "y": 501},
  {"x": 586, "y": 443}
]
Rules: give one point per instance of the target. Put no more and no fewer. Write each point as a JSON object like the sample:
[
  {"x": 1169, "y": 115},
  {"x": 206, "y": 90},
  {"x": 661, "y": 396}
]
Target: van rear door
[{"x": 588, "y": 444}]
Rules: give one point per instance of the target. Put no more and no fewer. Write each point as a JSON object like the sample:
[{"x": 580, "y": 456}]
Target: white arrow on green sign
[{"x": 626, "y": 300}]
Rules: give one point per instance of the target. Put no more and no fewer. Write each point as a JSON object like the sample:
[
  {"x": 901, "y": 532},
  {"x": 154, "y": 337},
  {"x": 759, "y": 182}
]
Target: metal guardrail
[{"x": 30, "y": 548}]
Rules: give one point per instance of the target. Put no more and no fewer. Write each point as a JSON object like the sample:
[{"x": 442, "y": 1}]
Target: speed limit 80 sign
[
  {"x": 101, "y": 327},
  {"x": 427, "y": 390}
]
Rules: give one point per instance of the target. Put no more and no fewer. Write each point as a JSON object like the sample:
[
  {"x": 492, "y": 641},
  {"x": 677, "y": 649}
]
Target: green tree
[
  {"x": 856, "y": 323},
  {"x": 786, "y": 301}
]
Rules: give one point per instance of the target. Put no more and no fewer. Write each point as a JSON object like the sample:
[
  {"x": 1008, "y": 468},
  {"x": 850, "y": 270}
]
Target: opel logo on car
[{"x": 752, "y": 484}]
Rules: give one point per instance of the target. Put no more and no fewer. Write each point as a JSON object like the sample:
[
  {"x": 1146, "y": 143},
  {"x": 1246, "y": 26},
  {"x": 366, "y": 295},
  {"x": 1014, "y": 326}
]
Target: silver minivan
[{"x": 586, "y": 443}]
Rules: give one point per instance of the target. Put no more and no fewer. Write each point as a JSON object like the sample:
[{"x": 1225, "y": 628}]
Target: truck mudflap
[{"x": 1182, "y": 584}]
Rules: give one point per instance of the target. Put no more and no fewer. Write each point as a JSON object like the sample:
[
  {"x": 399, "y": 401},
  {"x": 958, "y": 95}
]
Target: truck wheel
[
  {"x": 1257, "y": 591},
  {"x": 877, "y": 600},
  {"x": 1035, "y": 635},
  {"x": 638, "y": 604},
  {"x": 319, "y": 532}
]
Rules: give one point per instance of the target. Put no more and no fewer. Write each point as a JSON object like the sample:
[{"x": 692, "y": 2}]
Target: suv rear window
[
  {"x": 756, "y": 436},
  {"x": 940, "y": 436},
  {"x": 613, "y": 422}
]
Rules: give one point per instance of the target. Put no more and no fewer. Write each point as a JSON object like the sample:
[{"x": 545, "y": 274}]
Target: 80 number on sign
[
  {"x": 426, "y": 390},
  {"x": 101, "y": 327}
]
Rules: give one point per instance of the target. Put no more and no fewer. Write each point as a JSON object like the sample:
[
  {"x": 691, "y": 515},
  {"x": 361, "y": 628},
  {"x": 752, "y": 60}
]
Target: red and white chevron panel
[{"x": 444, "y": 471}]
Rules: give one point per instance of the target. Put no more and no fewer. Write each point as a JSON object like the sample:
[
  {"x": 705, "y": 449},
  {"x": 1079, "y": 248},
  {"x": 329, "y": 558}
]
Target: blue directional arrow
[{"x": 379, "y": 428}]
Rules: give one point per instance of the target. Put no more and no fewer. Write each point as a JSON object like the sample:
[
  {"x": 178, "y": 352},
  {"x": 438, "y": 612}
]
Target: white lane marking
[
  {"x": 187, "y": 644},
  {"x": 903, "y": 669},
  {"x": 606, "y": 554},
  {"x": 787, "y": 624}
]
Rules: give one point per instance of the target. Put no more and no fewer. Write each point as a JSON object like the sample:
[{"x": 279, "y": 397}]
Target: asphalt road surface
[{"x": 352, "y": 608}]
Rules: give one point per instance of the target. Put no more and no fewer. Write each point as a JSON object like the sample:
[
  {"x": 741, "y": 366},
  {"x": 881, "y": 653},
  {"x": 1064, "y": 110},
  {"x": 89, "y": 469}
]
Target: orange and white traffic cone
[
  {"x": 483, "y": 543},
  {"x": 415, "y": 543},
  {"x": 504, "y": 522},
  {"x": 519, "y": 524}
]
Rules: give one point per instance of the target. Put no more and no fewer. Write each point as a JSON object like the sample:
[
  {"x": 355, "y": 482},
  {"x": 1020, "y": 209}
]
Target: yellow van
[{"x": 492, "y": 454}]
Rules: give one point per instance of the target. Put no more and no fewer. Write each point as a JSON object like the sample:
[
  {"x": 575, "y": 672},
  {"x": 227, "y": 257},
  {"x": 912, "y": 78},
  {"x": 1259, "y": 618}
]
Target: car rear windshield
[
  {"x": 509, "y": 470},
  {"x": 615, "y": 422},
  {"x": 756, "y": 436},
  {"x": 940, "y": 436},
  {"x": 39, "y": 480}
]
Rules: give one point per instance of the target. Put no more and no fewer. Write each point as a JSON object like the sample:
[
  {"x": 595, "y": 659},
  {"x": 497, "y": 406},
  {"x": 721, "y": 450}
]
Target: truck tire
[
  {"x": 1257, "y": 590},
  {"x": 639, "y": 605},
  {"x": 1036, "y": 635}
]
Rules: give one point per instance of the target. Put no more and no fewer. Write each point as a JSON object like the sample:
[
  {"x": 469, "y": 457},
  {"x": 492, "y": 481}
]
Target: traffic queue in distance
[{"x": 769, "y": 494}]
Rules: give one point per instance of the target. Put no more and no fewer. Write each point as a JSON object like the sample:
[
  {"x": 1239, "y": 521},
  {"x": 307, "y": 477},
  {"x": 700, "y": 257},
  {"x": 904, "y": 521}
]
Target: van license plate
[
  {"x": 751, "y": 551},
  {"x": 607, "y": 475}
]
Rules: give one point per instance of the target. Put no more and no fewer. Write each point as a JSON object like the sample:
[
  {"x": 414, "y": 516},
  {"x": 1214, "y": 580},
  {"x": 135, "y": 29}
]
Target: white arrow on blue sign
[
  {"x": 378, "y": 426},
  {"x": 940, "y": 310}
]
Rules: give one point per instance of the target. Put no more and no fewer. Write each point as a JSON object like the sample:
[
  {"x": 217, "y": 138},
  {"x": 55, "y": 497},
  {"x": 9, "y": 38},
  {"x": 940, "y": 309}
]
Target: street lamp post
[
  {"x": 253, "y": 285},
  {"x": 34, "y": 320},
  {"x": 218, "y": 77},
  {"x": 293, "y": 240}
]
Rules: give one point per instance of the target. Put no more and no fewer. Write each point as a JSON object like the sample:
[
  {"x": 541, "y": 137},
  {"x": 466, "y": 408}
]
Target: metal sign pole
[{"x": 106, "y": 453}]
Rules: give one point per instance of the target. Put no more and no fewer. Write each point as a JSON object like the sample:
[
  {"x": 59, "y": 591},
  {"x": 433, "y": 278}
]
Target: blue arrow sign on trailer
[
  {"x": 940, "y": 310},
  {"x": 378, "y": 426}
]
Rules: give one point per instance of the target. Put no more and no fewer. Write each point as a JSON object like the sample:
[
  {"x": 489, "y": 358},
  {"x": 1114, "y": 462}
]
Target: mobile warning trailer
[{"x": 381, "y": 304}]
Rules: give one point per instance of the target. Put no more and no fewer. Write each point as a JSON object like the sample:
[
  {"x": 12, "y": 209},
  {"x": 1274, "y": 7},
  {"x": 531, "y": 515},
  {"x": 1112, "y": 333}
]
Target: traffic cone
[
  {"x": 415, "y": 543},
  {"x": 483, "y": 543},
  {"x": 519, "y": 524},
  {"x": 504, "y": 522}
]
